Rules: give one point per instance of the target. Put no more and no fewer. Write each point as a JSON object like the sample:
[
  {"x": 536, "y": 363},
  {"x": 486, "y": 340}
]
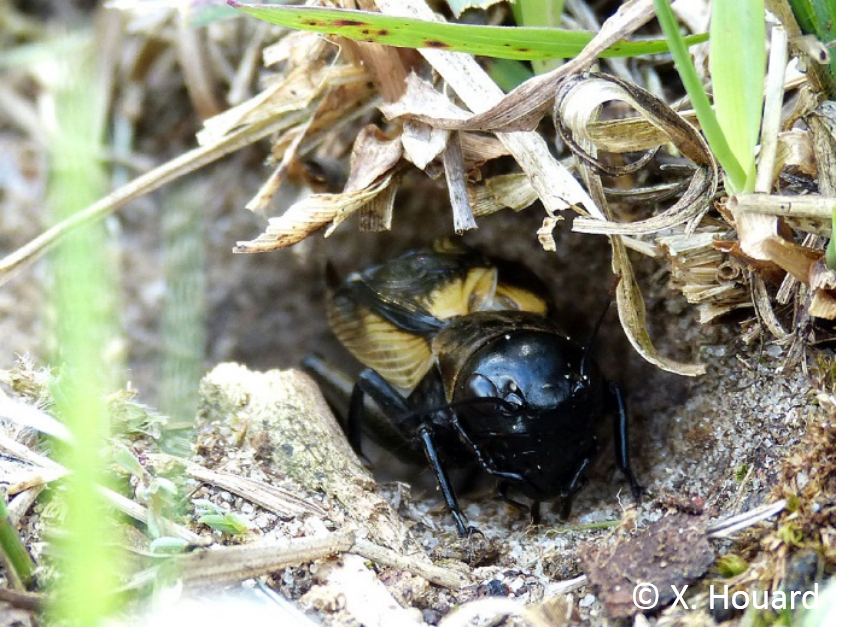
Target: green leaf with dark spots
[{"x": 514, "y": 43}]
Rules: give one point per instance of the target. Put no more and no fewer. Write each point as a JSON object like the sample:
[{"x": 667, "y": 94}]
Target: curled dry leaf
[
  {"x": 631, "y": 309},
  {"x": 578, "y": 105}
]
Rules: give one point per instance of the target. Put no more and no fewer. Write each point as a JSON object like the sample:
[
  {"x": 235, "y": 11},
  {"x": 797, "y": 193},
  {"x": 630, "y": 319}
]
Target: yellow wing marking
[
  {"x": 399, "y": 357},
  {"x": 459, "y": 297}
]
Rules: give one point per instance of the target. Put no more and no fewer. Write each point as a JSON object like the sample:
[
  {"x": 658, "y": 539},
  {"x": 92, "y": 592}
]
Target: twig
[
  {"x": 726, "y": 527},
  {"x": 237, "y": 563},
  {"x": 431, "y": 572}
]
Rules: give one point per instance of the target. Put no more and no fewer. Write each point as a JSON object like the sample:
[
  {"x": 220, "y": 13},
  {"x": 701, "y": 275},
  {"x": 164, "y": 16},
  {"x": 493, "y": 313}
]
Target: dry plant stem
[
  {"x": 286, "y": 412},
  {"x": 782, "y": 10},
  {"x": 22, "y": 599},
  {"x": 26, "y": 414},
  {"x": 822, "y": 122},
  {"x": 232, "y": 564},
  {"x": 237, "y": 563},
  {"x": 387, "y": 557},
  {"x": 261, "y": 200},
  {"x": 452, "y": 160},
  {"x": 20, "y": 113},
  {"x": 152, "y": 180},
  {"x": 19, "y": 451},
  {"x": 193, "y": 58},
  {"x": 807, "y": 213},
  {"x": 274, "y": 499},
  {"x": 37, "y": 480},
  {"x": 771, "y": 125},
  {"x": 241, "y": 82}
]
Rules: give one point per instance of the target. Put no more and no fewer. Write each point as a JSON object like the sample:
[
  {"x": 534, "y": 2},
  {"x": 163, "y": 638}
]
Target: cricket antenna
[{"x": 592, "y": 340}]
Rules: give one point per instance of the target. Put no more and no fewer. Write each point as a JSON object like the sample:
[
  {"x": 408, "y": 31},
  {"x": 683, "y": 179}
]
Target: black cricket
[{"x": 466, "y": 366}]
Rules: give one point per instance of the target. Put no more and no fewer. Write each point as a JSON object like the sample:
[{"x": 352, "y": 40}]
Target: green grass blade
[
  {"x": 528, "y": 13},
  {"x": 14, "y": 558},
  {"x": 737, "y": 64},
  {"x": 85, "y": 594},
  {"x": 705, "y": 114},
  {"x": 508, "y": 74},
  {"x": 514, "y": 43}
]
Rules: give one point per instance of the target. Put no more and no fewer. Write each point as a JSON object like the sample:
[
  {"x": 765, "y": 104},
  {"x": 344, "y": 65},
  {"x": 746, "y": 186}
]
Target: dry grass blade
[
  {"x": 524, "y": 107},
  {"x": 556, "y": 188},
  {"x": 452, "y": 159},
  {"x": 631, "y": 311},
  {"x": 631, "y": 134},
  {"x": 513, "y": 191},
  {"x": 312, "y": 214},
  {"x": 374, "y": 163}
]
